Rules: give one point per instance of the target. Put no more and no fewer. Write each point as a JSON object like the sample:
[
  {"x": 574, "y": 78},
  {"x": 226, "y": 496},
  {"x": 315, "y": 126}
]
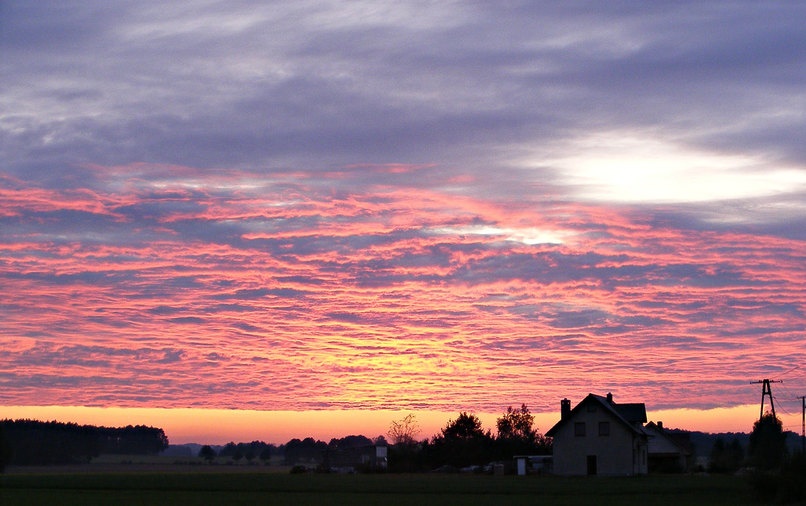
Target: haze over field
[{"x": 404, "y": 206}]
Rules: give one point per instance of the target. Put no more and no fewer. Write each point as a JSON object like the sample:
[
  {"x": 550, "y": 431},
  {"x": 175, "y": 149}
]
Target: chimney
[
  {"x": 565, "y": 408},
  {"x": 660, "y": 425},
  {"x": 609, "y": 397}
]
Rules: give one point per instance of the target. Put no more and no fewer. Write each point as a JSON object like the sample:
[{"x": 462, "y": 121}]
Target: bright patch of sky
[
  {"x": 528, "y": 236},
  {"x": 628, "y": 168}
]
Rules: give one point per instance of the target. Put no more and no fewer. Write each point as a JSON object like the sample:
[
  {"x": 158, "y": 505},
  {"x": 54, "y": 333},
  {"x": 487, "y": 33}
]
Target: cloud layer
[{"x": 396, "y": 205}]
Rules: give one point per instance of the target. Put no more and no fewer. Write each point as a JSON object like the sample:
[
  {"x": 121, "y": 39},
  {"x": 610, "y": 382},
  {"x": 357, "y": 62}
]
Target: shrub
[{"x": 782, "y": 487}]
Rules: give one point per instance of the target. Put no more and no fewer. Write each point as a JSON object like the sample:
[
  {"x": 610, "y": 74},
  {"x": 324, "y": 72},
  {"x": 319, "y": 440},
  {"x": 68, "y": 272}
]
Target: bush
[
  {"x": 6, "y": 451},
  {"x": 783, "y": 487},
  {"x": 726, "y": 458},
  {"x": 299, "y": 469}
]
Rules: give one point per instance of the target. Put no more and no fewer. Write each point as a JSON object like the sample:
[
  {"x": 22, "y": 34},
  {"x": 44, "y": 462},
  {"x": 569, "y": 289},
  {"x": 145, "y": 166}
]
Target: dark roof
[{"x": 631, "y": 414}]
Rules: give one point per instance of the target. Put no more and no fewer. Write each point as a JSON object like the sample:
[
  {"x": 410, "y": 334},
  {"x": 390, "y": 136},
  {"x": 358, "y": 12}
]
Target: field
[{"x": 221, "y": 488}]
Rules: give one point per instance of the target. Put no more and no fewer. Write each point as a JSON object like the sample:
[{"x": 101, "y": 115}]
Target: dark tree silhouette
[
  {"x": 767, "y": 448},
  {"x": 228, "y": 450},
  {"x": 517, "y": 424},
  {"x": 207, "y": 453},
  {"x": 348, "y": 442},
  {"x": 516, "y": 436},
  {"x": 462, "y": 442},
  {"x": 6, "y": 451},
  {"x": 306, "y": 451},
  {"x": 466, "y": 427},
  {"x": 726, "y": 458},
  {"x": 265, "y": 455},
  {"x": 248, "y": 450},
  {"x": 45, "y": 443}
]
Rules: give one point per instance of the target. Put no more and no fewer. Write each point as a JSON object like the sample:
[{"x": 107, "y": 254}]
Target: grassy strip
[{"x": 272, "y": 488}]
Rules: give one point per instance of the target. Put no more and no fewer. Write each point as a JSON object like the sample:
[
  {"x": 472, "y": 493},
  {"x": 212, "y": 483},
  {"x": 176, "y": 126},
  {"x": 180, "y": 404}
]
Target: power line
[
  {"x": 781, "y": 407},
  {"x": 789, "y": 394},
  {"x": 790, "y": 370}
]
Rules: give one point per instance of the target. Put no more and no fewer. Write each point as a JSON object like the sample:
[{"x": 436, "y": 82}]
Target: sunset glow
[{"x": 300, "y": 208}]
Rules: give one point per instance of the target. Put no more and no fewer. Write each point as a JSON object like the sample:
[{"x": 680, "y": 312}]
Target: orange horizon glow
[{"x": 217, "y": 426}]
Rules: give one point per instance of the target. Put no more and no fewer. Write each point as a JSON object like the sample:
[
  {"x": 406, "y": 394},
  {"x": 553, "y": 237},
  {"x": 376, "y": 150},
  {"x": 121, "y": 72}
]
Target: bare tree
[{"x": 405, "y": 431}]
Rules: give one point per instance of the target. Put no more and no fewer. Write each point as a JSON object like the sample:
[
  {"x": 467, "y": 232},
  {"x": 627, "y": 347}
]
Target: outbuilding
[{"x": 668, "y": 451}]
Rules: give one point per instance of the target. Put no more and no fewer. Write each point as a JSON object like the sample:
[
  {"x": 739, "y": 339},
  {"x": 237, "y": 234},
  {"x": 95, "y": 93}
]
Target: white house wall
[{"x": 616, "y": 455}]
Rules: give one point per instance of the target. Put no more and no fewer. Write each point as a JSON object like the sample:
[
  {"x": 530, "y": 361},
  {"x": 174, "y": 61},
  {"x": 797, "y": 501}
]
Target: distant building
[
  {"x": 600, "y": 437},
  {"x": 668, "y": 451},
  {"x": 357, "y": 457}
]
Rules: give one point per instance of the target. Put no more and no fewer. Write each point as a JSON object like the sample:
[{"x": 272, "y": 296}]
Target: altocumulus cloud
[{"x": 351, "y": 204}]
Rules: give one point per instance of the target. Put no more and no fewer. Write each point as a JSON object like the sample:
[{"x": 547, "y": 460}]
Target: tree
[
  {"x": 207, "y": 453},
  {"x": 405, "y": 431},
  {"x": 517, "y": 424},
  {"x": 265, "y": 455},
  {"x": 726, "y": 458},
  {"x": 516, "y": 436},
  {"x": 767, "y": 447},
  {"x": 466, "y": 427},
  {"x": 303, "y": 452},
  {"x": 462, "y": 442}
]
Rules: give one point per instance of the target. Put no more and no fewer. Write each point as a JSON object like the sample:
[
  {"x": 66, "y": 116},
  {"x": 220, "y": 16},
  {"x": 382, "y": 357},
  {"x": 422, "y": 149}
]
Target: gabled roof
[
  {"x": 656, "y": 429},
  {"x": 631, "y": 414}
]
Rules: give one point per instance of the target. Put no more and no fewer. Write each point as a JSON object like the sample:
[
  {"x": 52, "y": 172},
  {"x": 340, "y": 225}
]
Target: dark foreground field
[{"x": 420, "y": 490}]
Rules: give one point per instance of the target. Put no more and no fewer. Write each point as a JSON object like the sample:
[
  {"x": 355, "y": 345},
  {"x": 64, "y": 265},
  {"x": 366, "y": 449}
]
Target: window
[
  {"x": 579, "y": 429},
  {"x": 591, "y": 408},
  {"x": 604, "y": 428}
]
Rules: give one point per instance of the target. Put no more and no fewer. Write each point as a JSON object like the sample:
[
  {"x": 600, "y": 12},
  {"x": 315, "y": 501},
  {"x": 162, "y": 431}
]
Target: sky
[{"x": 398, "y": 206}]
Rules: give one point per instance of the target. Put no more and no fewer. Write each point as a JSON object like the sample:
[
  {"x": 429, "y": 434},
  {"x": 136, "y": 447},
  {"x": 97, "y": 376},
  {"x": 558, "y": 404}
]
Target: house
[
  {"x": 600, "y": 437},
  {"x": 667, "y": 451}
]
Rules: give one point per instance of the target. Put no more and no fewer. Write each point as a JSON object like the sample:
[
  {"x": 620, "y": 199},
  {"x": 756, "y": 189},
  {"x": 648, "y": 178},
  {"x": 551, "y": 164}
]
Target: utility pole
[{"x": 765, "y": 390}]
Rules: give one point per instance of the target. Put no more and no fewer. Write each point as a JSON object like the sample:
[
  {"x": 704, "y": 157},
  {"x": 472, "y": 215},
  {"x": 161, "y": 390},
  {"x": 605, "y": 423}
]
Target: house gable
[{"x": 596, "y": 437}]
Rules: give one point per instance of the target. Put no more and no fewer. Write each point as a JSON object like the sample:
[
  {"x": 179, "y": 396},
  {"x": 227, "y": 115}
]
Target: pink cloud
[{"x": 249, "y": 295}]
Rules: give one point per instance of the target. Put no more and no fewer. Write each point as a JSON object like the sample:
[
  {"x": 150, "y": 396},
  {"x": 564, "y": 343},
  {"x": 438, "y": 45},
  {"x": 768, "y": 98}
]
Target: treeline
[
  {"x": 32, "y": 442},
  {"x": 248, "y": 451},
  {"x": 306, "y": 451},
  {"x": 462, "y": 443}
]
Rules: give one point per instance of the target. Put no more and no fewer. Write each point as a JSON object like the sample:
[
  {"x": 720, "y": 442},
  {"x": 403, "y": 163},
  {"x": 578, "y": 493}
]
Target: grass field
[{"x": 122, "y": 489}]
